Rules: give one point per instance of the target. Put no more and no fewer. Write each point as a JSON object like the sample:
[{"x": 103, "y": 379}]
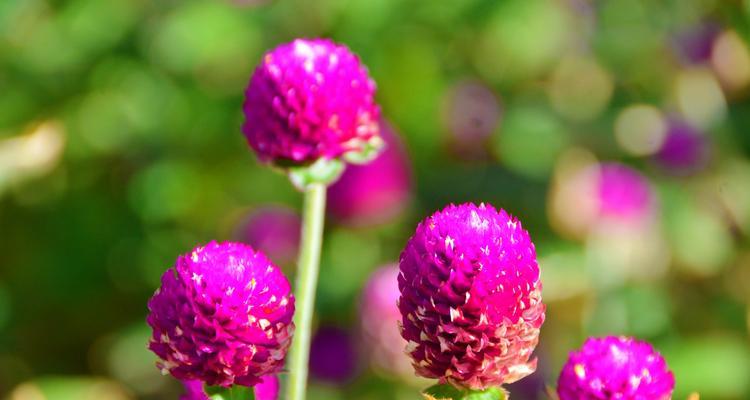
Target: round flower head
[
  {"x": 373, "y": 193},
  {"x": 623, "y": 193},
  {"x": 273, "y": 230},
  {"x": 615, "y": 368},
  {"x": 684, "y": 150},
  {"x": 333, "y": 355},
  {"x": 379, "y": 315},
  {"x": 310, "y": 99},
  {"x": 470, "y": 300},
  {"x": 223, "y": 315}
]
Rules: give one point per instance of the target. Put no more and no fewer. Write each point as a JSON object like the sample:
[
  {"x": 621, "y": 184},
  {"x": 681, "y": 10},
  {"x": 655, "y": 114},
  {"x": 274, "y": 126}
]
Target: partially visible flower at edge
[{"x": 614, "y": 367}]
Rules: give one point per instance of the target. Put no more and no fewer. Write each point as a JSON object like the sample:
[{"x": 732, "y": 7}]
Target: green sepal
[
  {"x": 325, "y": 171},
  {"x": 370, "y": 151},
  {"x": 449, "y": 392},
  {"x": 236, "y": 392}
]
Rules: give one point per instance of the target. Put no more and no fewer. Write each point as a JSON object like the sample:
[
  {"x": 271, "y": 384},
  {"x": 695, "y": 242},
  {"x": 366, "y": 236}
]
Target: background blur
[{"x": 120, "y": 148}]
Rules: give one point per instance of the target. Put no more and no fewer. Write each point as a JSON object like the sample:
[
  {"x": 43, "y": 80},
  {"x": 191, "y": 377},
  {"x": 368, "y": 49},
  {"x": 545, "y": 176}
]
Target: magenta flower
[
  {"x": 471, "y": 113},
  {"x": 268, "y": 388},
  {"x": 375, "y": 192},
  {"x": 615, "y": 368},
  {"x": 470, "y": 300},
  {"x": 685, "y": 149},
  {"x": 194, "y": 390},
  {"x": 223, "y": 315},
  {"x": 274, "y": 231},
  {"x": 310, "y": 99},
  {"x": 333, "y": 356},
  {"x": 623, "y": 193},
  {"x": 379, "y": 315}
]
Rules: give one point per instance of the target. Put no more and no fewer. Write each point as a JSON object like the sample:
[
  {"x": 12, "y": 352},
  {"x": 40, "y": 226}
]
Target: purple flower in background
[
  {"x": 375, "y": 192},
  {"x": 268, "y": 388},
  {"x": 695, "y": 44},
  {"x": 194, "y": 390},
  {"x": 472, "y": 113},
  {"x": 223, "y": 315},
  {"x": 615, "y": 368},
  {"x": 379, "y": 323},
  {"x": 470, "y": 300},
  {"x": 332, "y": 355},
  {"x": 684, "y": 150},
  {"x": 310, "y": 99},
  {"x": 623, "y": 193},
  {"x": 274, "y": 231}
]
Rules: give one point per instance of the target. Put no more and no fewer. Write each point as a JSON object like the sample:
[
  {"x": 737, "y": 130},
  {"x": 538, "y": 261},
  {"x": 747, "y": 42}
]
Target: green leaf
[{"x": 448, "y": 392}]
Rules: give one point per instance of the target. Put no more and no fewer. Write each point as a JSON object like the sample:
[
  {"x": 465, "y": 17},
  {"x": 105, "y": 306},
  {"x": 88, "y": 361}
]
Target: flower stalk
[{"x": 313, "y": 216}]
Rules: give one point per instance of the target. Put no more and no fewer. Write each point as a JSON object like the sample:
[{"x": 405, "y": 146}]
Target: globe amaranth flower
[
  {"x": 373, "y": 193},
  {"x": 333, "y": 355},
  {"x": 623, "y": 193},
  {"x": 615, "y": 368},
  {"x": 273, "y": 230},
  {"x": 310, "y": 99},
  {"x": 684, "y": 151},
  {"x": 379, "y": 316},
  {"x": 470, "y": 300},
  {"x": 268, "y": 388},
  {"x": 194, "y": 390},
  {"x": 223, "y": 315}
]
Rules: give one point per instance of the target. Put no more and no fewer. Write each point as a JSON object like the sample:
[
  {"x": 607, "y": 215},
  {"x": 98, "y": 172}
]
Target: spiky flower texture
[
  {"x": 223, "y": 315},
  {"x": 310, "y": 99},
  {"x": 612, "y": 368},
  {"x": 470, "y": 300}
]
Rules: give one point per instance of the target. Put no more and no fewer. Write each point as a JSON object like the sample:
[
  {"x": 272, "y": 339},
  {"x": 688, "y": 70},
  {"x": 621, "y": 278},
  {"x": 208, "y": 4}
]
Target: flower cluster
[
  {"x": 471, "y": 297},
  {"x": 223, "y": 315}
]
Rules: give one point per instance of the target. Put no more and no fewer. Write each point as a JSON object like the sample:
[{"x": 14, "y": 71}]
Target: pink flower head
[
  {"x": 685, "y": 149},
  {"x": 333, "y": 355},
  {"x": 310, "y": 99},
  {"x": 372, "y": 193},
  {"x": 268, "y": 388},
  {"x": 623, "y": 193},
  {"x": 194, "y": 391},
  {"x": 471, "y": 300},
  {"x": 379, "y": 323},
  {"x": 273, "y": 230},
  {"x": 615, "y": 368},
  {"x": 223, "y": 315}
]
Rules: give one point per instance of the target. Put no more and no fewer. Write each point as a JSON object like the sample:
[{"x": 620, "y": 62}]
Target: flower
[
  {"x": 375, "y": 192},
  {"x": 193, "y": 390},
  {"x": 273, "y": 230},
  {"x": 268, "y": 388},
  {"x": 622, "y": 192},
  {"x": 615, "y": 368},
  {"x": 684, "y": 150},
  {"x": 379, "y": 315},
  {"x": 333, "y": 356},
  {"x": 471, "y": 113},
  {"x": 310, "y": 99},
  {"x": 470, "y": 300},
  {"x": 223, "y": 315}
]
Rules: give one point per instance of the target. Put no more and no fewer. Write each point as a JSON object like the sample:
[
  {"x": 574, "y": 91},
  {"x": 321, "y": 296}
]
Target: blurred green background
[{"x": 120, "y": 148}]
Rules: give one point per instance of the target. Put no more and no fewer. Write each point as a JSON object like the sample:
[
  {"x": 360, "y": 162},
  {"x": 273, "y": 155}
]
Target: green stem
[{"x": 313, "y": 217}]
